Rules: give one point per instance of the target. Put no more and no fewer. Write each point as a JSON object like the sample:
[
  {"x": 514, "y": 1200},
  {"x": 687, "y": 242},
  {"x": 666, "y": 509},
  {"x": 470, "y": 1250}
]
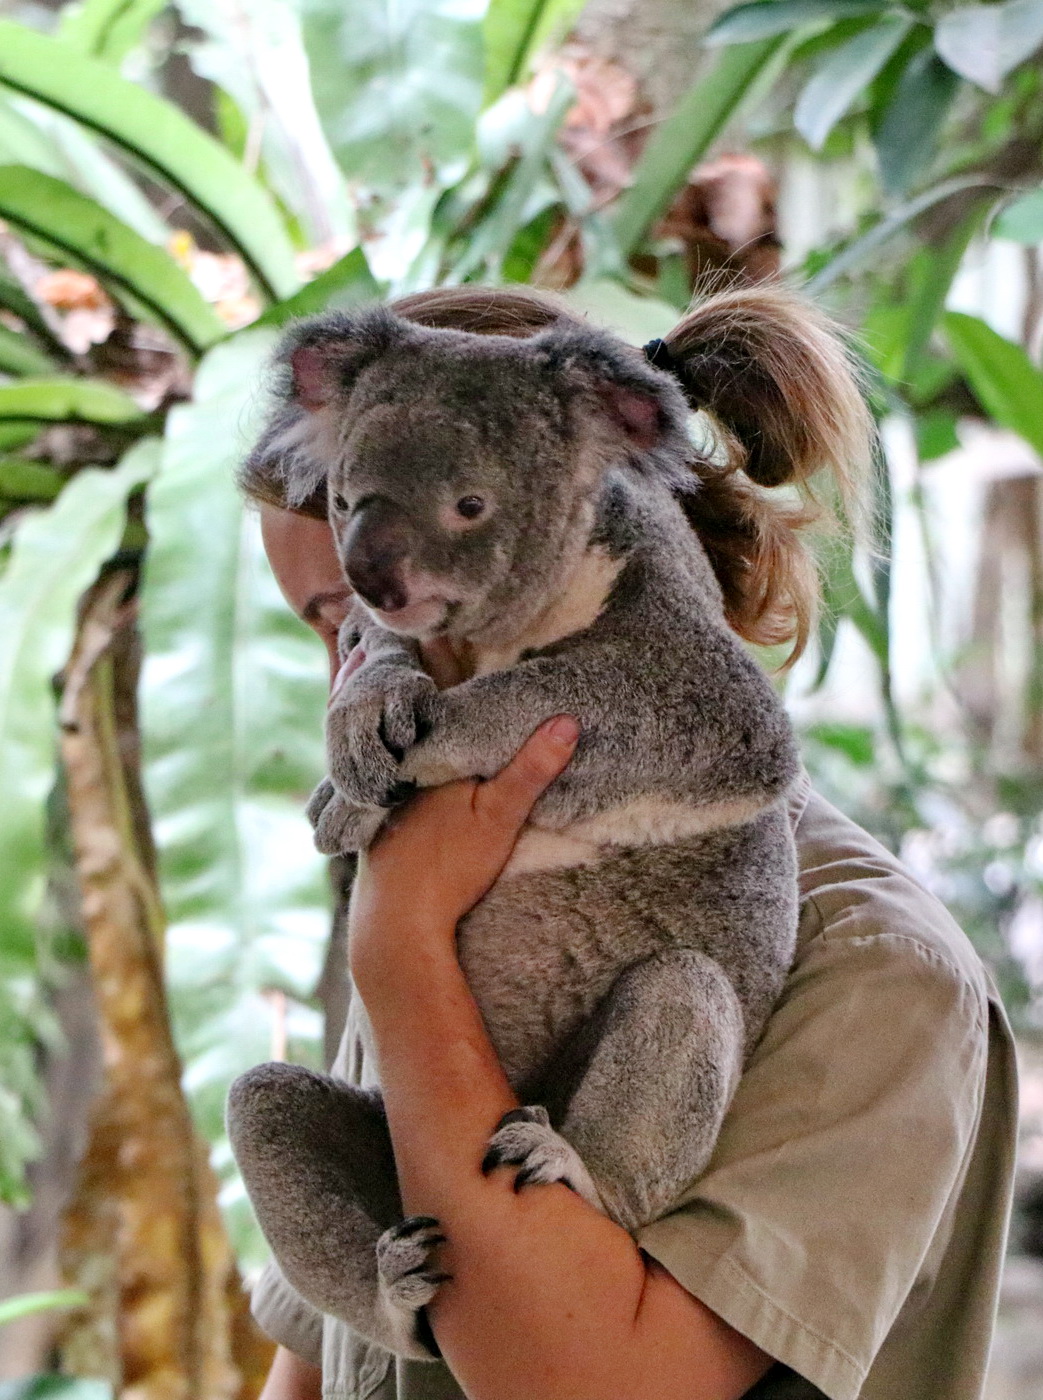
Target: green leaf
[
  {"x": 1006, "y": 382},
  {"x": 62, "y": 400},
  {"x": 681, "y": 141},
  {"x": 842, "y": 74},
  {"x": 935, "y": 434},
  {"x": 1022, "y": 221},
  {"x": 856, "y": 741},
  {"x": 18, "y": 354},
  {"x": 17, "y": 433},
  {"x": 23, "y": 142},
  {"x": 520, "y": 197},
  {"x": 55, "y": 1388},
  {"x": 55, "y": 555},
  {"x": 637, "y": 319},
  {"x": 50, "y": 210},
  {"x": 108, "y": 29},
  {"x": 905, "y": 132},
  {"x": 34, "y": 135},
  {"x": 514, "y": 31},
  {"x": 233, "y": 701},
  {"x": 28, "y": 1303},
  {"x": 936, "y": 267},
  {"x": 984, "y": 42},
  {"x": 14, "y": 298},
  {"x": 398, "y": 86},
  {"x": 348, "y": 282},
  {"x": 254, "y": 55},
  {"x": 23, "y": 480},
  {"x": 862, "y": 248},
  {"x": 766, "y": 18},
  {"x": 92, "y": 171},
  {"x": 162, "y": 138}
]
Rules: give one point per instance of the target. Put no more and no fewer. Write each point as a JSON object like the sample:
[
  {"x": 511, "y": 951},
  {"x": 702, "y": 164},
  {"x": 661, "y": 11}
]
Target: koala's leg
[
  {"x": 647, "y": 1111},
  {"x": 662, "y": 1062},
  {"x": 317, "y": 1162}
]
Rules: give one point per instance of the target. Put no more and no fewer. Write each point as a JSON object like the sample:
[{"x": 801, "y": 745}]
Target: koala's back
[{"x": 543, "y": 949}]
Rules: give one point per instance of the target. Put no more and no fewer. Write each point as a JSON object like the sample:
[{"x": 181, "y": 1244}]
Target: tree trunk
[
  {"x": 143, "y": 1235},
  {"x": 658, "y": 41}
]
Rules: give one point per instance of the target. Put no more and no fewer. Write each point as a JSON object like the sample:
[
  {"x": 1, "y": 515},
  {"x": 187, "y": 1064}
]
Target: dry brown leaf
[{"x": 68, "y": 290}]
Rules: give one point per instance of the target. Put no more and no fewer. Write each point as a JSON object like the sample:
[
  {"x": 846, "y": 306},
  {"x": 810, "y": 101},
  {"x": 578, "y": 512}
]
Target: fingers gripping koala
[{"x": 534, "y": 498}]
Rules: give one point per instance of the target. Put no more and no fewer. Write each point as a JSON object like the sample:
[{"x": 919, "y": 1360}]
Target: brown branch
[{"x": 143, "y": 1234}]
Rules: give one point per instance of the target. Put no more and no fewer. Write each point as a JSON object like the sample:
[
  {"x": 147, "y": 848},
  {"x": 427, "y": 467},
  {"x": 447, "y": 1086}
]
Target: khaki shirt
[{"x": 852, "y": 1219}]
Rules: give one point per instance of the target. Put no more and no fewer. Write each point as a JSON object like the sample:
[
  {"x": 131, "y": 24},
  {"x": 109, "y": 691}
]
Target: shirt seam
[
  {"x": 922, "y": 950},
  {"x": 745, "y": 1280}
]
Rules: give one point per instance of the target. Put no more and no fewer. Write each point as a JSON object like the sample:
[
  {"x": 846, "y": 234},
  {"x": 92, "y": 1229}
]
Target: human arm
[
  {"x": 292, "y": 1378},
  {"x": 548, "y": 1297}
]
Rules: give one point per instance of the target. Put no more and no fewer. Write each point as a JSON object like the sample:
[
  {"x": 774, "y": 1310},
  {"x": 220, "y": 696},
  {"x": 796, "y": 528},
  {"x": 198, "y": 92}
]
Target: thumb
[{"x": 510, "y": 796}]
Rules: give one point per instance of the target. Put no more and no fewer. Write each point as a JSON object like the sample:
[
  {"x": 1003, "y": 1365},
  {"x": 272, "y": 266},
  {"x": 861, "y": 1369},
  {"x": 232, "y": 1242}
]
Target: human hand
[{"x": 439, "y": 854}]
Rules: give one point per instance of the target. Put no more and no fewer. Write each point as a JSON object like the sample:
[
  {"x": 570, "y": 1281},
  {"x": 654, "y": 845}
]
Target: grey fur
[{"x": 624, "y": 983}]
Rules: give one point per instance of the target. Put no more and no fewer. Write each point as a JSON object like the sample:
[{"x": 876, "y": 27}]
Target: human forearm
[
  {"x": 292, "y": 1379},
  {"x": 548, "y": 1297}
]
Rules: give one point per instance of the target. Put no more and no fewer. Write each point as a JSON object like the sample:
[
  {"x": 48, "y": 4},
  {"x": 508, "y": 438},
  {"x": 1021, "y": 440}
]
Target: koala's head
[{"x": 462, "y": 470}]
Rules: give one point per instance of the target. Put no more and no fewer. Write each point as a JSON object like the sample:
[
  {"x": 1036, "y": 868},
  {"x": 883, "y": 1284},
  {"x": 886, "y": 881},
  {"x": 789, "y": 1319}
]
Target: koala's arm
[{"x": 643, "y": 731}]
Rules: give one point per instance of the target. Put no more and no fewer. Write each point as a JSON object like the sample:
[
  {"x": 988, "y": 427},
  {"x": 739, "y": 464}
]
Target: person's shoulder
[{"x": 857, "y": 897}]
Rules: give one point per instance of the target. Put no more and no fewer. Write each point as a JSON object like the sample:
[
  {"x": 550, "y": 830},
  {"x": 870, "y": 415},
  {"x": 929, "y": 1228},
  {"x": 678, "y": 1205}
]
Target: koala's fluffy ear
[
  {"x": 317, "y": 362},
  {"x": 325, "y": 354},
  {"x": 644, "y": 407}
]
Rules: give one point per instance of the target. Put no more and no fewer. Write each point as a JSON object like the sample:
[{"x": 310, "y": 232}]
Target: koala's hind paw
[
  {"x": 408, "y": 1276},
  {"x": 524, "y": 1138}
]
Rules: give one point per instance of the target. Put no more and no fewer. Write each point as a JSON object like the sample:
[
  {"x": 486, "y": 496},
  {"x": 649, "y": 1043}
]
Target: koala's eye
[
  {"x": 470, "y": 507},
  {"x": 339, "y": 501}
]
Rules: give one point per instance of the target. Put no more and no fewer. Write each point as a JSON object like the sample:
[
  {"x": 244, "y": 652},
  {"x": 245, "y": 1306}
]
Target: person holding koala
[{"x": 845, "y": 1237}]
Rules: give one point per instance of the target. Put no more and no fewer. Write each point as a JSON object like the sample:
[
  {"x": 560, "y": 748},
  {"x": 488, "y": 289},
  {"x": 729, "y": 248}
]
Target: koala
[{"x": 524, "y": 498}]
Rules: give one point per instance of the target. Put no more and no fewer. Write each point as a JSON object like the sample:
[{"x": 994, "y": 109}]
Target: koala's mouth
[{"x": 420, "y": 617}]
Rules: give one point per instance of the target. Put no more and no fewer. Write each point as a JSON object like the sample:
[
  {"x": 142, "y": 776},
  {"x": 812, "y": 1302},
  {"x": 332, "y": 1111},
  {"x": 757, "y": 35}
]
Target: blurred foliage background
[{"x": 177, "y": 181}]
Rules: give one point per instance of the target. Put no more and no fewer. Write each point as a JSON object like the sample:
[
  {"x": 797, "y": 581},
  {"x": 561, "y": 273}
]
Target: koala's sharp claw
[
  {"x": 531, "y": 1113},
  {"x": 408, "y": 1278},
  {"x": 399, "y": 793},
  {"x": 412, "y": 1225},
  {"x": 525, "y": 1139},
  {"x": 432, "y": 1276}
]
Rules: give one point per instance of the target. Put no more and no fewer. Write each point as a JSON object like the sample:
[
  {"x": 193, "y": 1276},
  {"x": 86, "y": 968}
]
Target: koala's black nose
[{"x": 374, "y": 549}]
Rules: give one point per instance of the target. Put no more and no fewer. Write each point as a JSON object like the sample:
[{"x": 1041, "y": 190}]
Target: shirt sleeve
[
  {"x": 282, "y": 1314},
  {"x": 849, "y": 1133}
]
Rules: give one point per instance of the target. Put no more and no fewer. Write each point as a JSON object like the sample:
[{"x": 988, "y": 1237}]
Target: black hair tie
[{"x": 658, "y": 354}]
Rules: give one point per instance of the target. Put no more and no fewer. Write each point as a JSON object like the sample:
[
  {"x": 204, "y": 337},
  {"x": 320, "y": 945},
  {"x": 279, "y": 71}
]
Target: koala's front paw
[
  {"x": 375, "y": 719},
  {"x": 524, "y": 1138},
  {"x": 408, "y": 1277},
  {"x": 341, "y": 827}
]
